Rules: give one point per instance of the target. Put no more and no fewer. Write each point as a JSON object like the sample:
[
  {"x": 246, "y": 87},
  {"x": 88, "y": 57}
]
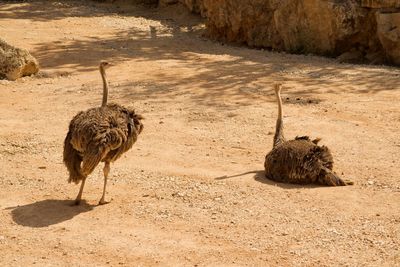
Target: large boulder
[
  {"x": 196, "y": 6},
  {"x": 167, "y": 2},
  {"x": 16, "y": 62},
  {"x": 389, "y": 34},
  {"x": 324, "y": 27},
  {"x": 303, "y": 26},
  {"x": 380, "y": 3}
]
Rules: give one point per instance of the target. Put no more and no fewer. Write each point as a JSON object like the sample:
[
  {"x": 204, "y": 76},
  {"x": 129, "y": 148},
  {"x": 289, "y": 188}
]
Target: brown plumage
[
  {"x": 100, "y": 134},
  {"x": 299, "y": 161}
]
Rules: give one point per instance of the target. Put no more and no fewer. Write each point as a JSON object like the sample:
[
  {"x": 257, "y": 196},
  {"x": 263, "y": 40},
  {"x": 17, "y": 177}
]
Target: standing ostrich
[
  {"x": 299, "y": 161},
  {"x": 100, "y": 134}
]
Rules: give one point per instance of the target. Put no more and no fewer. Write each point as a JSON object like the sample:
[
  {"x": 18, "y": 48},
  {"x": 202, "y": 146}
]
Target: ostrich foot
[
  {"x": 348, "y": 182},
  {"x": 76, "y": 202},
  {"x": 103, "y": 202}
]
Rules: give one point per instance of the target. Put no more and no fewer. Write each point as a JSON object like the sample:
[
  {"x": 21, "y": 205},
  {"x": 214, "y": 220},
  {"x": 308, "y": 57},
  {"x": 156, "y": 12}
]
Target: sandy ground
[{"x": 191, "y": 192}]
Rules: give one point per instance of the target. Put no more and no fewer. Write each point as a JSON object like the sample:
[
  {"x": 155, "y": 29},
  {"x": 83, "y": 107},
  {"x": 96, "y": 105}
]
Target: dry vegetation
[{"x": 191, "y": 192}]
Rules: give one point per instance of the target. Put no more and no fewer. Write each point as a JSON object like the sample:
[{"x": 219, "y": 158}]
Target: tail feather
[
  {"x": 72, "y": 161},
  {"x": 92, "y": 158}
]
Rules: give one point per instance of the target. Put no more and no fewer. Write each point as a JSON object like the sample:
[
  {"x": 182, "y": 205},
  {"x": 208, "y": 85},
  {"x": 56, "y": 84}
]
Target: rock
[
  {"x": 16, "y": 62},
  {"x": 145, "y": 2},
  {"x": 320, "y": 27},
  {"x": 306, "y": 26},
  {"x": 330, "y": 28},
  {"x": 196, "y": 6},
  {"x": 380, "y": 3},
  {"x": 167, "y": 2},
  {"x": 351, "y": 57},
  {"x": 388, "y": 30},
  {"x": 375, "y": 57},
  {"x": 178, "y": 194}
]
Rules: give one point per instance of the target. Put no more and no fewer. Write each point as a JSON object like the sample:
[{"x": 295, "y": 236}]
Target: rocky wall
[{"x": 353, "y": 30}]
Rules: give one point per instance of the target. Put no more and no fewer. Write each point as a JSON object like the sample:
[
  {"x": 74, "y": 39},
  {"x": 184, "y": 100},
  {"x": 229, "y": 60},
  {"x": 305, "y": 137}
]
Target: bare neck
[
  {"x": 105, "y": 87},
  {"x": 279, "y": 138}
]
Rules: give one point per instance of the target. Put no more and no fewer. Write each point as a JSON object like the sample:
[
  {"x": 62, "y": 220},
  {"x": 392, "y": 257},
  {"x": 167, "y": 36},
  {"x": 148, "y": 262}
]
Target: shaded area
[
  {"x": 47, "y": 212},
  {"x": 238, "y": 78},
  {"x": 257, "y": 173},
  {"x": 39, "y": 11},
  {"x": 259, "y": 176},
  {"x": 219, "y": 72}
]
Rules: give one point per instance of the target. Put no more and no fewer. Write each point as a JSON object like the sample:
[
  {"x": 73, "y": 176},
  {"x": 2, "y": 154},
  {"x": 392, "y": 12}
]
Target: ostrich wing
[{"x": 113, "y": 132}]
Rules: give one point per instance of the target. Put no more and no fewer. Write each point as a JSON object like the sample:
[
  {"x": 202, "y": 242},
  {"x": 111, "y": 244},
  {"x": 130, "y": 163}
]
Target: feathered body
[
  {"x": 97, "y": 135},
  {"x": 299, "y": 161},
  {"x": 100, "y": 134}
]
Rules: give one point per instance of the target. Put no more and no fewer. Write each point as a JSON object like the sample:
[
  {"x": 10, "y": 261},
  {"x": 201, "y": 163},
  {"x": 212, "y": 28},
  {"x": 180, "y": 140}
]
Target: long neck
[
  {"x": 279, "y": 138},
  {"x": 105, "y": 87}
]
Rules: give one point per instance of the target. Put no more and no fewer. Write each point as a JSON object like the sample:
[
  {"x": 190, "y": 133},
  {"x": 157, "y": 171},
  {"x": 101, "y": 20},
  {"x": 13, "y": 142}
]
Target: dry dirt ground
[{"x": 191, "y": 192}]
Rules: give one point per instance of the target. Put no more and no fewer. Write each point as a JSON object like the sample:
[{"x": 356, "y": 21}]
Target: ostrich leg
[
  {"x": 106, "y": 171},
  {"x": 79, "y": 196}
]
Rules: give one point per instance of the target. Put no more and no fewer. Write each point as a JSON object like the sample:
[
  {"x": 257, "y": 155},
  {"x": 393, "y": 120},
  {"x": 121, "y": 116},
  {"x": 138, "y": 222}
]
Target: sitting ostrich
[
  {"x": 299, "y": 161},
  {"x": 100, "y": 134}
]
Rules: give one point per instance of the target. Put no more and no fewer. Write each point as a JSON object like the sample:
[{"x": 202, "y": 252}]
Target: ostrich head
[
  {"x": 277, "y": 88},
  {"x": 105, "y": 65}
]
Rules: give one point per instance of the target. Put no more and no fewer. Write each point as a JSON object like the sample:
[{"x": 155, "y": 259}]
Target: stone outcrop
[
  {"x": 360, "y": 30},
  {"x": 197, "y": 6},
  {"x": 380, "y": 3},
  {"x": 16, "y": 62},
  {"x": 167, "y": 2},
  {"x": 389, "y": 35}
]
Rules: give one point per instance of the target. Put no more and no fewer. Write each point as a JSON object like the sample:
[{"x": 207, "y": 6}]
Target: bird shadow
[
  {"x": 259, "y": 176},
  {"x": 47, "y": 212}
]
